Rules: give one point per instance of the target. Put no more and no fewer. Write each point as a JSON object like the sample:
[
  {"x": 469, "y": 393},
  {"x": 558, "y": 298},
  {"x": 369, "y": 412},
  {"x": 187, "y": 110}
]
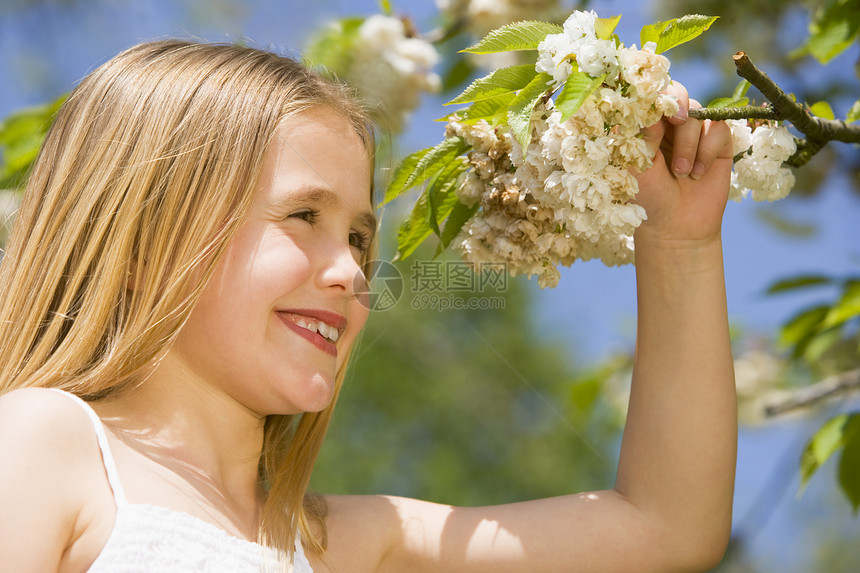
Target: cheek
[{"x": 358, "y": 314}]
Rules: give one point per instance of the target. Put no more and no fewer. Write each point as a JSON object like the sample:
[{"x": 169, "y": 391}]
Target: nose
[{"x": 341, "y": 270}]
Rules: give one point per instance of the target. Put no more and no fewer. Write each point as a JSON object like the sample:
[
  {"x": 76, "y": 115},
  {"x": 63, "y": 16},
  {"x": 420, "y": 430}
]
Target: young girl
[{"x": 177, "y": 307}]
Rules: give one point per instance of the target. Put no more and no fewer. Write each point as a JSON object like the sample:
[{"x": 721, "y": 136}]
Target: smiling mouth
[{"x": 320, "y": 333}]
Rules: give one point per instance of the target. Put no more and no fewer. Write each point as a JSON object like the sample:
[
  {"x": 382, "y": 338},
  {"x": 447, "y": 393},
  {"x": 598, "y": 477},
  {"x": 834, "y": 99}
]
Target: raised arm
[
  {"x": 670, "y": 509},
  {"x": 678, "y": 454}
]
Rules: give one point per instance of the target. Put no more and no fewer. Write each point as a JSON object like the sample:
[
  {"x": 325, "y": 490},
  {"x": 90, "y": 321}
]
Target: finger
[
  {"x": 653, "y": 136},
  {"x": 685, "y": 144},
  {"x": 715, "y": 141},
  {"x": 680, "y": 93}
]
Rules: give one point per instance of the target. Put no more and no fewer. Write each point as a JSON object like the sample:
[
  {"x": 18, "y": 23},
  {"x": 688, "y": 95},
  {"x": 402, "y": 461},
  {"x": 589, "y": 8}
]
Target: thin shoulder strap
[{"x": 107, "y": 457}]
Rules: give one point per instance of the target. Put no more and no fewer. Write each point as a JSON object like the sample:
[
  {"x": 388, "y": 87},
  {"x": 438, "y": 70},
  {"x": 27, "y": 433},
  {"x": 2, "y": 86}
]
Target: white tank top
[{"x": 148, "y": 538}]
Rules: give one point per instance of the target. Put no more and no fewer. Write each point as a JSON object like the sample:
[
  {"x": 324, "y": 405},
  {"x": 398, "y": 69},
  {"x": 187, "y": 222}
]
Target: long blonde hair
[{"x": 152, "y": 160}]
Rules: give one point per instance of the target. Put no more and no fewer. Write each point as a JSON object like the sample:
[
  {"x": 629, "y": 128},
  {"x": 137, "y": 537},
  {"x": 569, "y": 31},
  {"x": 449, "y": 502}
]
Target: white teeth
[
  {"x": 312, "y": 326},
  {"x": 322, "y": 328}
]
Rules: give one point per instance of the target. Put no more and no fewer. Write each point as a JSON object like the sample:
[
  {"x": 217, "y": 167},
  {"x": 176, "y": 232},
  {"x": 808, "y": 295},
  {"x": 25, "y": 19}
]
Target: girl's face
[{"x": 264, "y": 327}]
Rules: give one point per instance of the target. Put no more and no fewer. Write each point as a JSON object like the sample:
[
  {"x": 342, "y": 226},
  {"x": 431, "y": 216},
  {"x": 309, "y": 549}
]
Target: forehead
[{"x": 318, "y": 151}]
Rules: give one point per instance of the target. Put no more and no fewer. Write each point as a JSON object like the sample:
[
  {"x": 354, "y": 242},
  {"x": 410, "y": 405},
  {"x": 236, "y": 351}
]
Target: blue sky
[{"x": 45, "y": 50}]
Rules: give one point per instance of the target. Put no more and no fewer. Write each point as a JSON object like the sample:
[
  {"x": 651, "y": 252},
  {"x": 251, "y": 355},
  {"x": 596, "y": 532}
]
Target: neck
[{"x": 197, "y": 432}]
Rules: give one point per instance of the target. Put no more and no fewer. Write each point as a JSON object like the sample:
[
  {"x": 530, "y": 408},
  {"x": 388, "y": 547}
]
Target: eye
[
  {"x": 309, "y": 215},
  {"x": 359, "y": 240}
]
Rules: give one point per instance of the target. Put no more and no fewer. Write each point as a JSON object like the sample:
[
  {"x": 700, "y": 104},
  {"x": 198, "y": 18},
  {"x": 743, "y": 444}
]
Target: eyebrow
[{"x": 324, "y": 195}]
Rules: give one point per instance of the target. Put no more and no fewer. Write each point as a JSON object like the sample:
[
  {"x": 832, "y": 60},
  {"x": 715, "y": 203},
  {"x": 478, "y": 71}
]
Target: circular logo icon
[{"x": 382, "y": 289}]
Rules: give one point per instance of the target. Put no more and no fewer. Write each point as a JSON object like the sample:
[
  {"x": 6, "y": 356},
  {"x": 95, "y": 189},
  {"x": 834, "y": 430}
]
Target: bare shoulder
[
  {"x": 364, "y": 531},
  {"x": 43, "y": 418},
  {"x": 48, "y": 452},
  {"x": 359, "y": 530}
]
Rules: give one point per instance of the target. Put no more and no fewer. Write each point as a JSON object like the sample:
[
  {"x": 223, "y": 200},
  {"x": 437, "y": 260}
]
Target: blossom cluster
[
  {"x": 481, "y": 16},
  {"x": 512, "y": 226},
  {"x": 569, "y": 194},
  {"x": 391, "y": 69},
  {"x": 759, "y": 171},
  {"x": 578, "y": 43}
]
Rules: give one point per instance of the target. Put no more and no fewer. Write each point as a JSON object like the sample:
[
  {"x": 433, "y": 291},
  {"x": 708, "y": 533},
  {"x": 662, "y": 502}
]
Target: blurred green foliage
[
  {"x": 21, "y": 136},
  {"x": 464, "y": 407}
]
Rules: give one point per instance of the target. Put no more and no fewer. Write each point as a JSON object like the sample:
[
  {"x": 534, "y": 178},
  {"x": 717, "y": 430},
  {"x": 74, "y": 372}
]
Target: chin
[{"x": 317, "y": 396}]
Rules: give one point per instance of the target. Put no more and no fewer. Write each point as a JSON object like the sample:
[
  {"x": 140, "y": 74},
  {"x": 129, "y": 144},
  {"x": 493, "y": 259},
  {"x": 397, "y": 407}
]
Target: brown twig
[
  {"x": 818, "y": 131},
  {"x": 815, "y": 128},
  {"x": 746, "y": 112},
  {"x": 835, "y": 385}
]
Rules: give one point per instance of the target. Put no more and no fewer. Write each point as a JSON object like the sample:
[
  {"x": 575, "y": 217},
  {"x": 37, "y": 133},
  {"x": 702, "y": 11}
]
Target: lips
[{"x": 322, "y": 328}]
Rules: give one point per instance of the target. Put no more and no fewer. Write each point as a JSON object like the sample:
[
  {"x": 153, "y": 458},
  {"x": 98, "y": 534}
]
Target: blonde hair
[{"x": 152, "y": 160}]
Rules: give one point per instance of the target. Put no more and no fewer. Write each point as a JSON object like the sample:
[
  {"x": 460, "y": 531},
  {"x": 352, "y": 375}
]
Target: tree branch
[
  {"x": 815, "y": 128},
  {"x": 818, "y": 131},
  {"x": 841, "y": 383},
  {"x": 746, "y": 112}
]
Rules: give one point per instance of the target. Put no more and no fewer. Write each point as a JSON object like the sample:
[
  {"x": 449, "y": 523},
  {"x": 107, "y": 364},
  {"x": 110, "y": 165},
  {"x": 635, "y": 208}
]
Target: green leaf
[
  {"x": 518, "y": 36},
  {"x": 331, "y": 47},
  {"x": 520, "y": 110},
  {"x": 853, "y": 113},
  {"x": 849, "y": 463},
  {"x": 821, "y": 343},
  {"x": 683, "y": 30},
  {"x": 436, "y": 159},
  {"x": 458, "y": 73},
  {"x": 502, "y": 81},
  {"x": 576, "y": 90},
  {"x": 604, "y": 27},
  {"x": 402, "y": 173},
  {"x": 432, "y": 206},
  {"x": 797, "y": 283},
  {"x": 651, "y": 32},
  {"x": 415, "y": 228},
  {"x": 385, "y": 7},
  {"x": 442, "y": 192},
  {"x": 21, "y": 137},
  {"x": 741, "y": 89},
  {"x": 782, "y": 224},
  {"x": 833, "y": 29},
  {"x": 494, "y": 110},
  {"x": 821, "y": 446},
  {"x": 822, "y": 109},
  {"x": 802, "y": 327},
  {"x": 848, "y": 306},
  {"x": 460, "y": 213},
  {"x": 728, "y": 102},
  {"x": 584, "y": 394}
]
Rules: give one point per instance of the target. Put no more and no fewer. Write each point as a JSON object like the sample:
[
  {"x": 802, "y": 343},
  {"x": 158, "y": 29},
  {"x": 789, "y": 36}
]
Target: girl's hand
[{"x": 685, "y": 191}]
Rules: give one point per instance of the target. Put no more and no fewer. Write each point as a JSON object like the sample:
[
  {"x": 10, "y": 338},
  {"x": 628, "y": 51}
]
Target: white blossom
[
  {"x": 597, "y": 57},
  {"x": 741, "y": 135},
  {"x": 774, "y": 143},
  {"x": 390, "y": 69},
  {"x": 645, "y": 71},
  {"x": 760, "y": 173},
  {"x": 580, "y": 25},
  {"x": 554, "y": 57},
  {"x": 481, "y": 16}
]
